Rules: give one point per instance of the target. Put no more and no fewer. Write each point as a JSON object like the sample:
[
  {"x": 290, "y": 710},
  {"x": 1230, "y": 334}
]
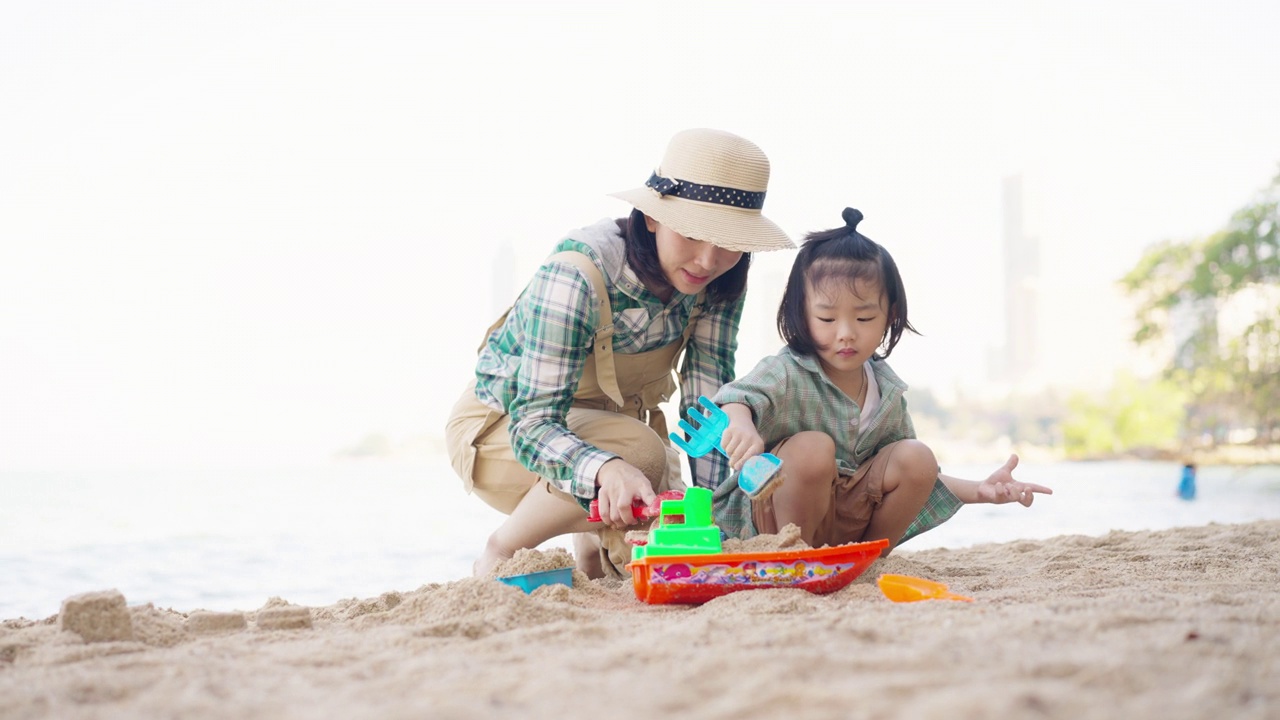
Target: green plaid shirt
[
  {"x": 530, "y": 366},
  {"x": 789, "y": 393}
]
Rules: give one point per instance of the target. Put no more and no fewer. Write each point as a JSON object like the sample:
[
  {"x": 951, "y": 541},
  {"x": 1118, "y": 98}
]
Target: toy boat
[
  {"x": 683, "y": 560},
  {"x": 698, "y": 578}
]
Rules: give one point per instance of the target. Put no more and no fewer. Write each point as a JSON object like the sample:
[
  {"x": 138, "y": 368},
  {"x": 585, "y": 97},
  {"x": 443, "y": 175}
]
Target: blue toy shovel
[{"x": 758, "y": 474}]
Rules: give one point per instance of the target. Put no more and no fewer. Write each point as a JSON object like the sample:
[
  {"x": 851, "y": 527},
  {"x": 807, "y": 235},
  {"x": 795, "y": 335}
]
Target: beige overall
[{"x": 615, "y": 409}]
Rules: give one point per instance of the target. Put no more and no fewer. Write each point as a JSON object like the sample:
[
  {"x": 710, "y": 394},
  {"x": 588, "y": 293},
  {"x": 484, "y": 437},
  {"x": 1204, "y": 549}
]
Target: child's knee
[
  {"x": 813, "y": 443},
  {"x": 810, "y": 454},
  {"x": 914, "y": 462}
]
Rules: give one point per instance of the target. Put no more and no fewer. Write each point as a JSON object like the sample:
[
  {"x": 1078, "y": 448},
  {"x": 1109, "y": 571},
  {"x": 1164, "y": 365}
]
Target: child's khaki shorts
[{"x": 853, "y": 500}]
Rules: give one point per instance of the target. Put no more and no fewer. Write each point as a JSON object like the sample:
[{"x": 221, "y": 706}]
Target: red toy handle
[{"x": 638, "y": 508}]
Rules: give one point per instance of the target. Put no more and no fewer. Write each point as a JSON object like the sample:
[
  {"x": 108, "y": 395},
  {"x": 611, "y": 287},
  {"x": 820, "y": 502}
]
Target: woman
[{"x": 564, "y": 406}]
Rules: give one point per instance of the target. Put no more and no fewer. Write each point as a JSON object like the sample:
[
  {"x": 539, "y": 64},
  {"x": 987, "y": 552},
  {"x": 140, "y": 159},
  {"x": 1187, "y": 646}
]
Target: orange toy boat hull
[{"x": 696, "y": 579}]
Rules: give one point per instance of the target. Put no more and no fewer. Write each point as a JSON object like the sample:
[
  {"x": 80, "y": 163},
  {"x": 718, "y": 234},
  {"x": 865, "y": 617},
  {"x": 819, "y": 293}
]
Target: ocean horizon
[{"x": 231, "y": 539}]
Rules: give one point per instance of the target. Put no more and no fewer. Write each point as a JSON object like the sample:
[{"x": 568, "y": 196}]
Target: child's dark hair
[
  {"x": 841, "y": 254},
  {"x": 642, "y": 256}
]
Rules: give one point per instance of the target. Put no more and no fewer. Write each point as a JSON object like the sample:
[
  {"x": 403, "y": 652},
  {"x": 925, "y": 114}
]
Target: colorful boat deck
[{"x": 698, "y": 578}]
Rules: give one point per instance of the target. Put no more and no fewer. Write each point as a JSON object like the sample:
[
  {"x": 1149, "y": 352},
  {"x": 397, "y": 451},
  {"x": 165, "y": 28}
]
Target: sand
[{"x": 1182, "y": 623}]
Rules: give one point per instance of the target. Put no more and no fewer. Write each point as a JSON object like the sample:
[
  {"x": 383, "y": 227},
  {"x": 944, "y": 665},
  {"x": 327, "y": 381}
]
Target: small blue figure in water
[{"x": 1187, "y": 487}]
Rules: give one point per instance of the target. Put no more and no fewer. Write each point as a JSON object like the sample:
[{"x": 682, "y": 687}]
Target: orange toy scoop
[{"x": 904, "y": 588}]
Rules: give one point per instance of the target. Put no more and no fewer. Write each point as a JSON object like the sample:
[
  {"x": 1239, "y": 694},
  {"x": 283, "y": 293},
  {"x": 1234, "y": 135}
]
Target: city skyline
[{"x": 1021, "y": 288}]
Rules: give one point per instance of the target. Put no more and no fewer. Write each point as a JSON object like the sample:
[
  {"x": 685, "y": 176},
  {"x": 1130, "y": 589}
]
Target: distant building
[{"x": 1021, "y": 297}]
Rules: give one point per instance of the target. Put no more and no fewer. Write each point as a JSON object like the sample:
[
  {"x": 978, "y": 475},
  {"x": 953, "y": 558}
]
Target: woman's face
[{"x": 689, "y": 265}]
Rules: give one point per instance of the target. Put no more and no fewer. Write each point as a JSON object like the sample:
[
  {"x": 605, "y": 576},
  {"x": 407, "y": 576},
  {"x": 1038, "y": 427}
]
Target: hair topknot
[
  {"x": 841, "y": 254},
  {"x": 851, "y": 218}
]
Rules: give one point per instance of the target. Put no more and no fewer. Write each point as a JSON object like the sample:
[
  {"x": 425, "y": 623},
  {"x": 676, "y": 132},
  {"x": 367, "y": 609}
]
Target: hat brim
[{"x": 731, "y": 228}]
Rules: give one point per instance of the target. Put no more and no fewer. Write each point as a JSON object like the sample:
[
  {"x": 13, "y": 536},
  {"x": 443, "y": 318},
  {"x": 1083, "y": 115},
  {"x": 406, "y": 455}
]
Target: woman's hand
[
  {"x": 620, "y": 485},
  {"x": 1001, "y": 488},
  {"x": 740, "y": 439}
]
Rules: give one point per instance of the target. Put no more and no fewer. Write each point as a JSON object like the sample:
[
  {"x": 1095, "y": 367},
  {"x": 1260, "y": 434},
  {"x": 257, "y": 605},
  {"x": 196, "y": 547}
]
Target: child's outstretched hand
[
  {"x": 740, "y": 439},
  {"x": 1001, "y": 488}
]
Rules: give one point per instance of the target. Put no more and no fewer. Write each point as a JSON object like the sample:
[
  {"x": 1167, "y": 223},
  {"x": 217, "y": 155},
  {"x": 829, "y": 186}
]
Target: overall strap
[
  {"x": 689, "y": 326},
  {"x": 602, "y": 343},
  {"x": 658, "y": 419}
]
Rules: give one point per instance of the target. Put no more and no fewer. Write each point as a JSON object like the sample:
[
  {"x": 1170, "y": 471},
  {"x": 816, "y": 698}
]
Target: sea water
[{"x": 230, "y": 539}]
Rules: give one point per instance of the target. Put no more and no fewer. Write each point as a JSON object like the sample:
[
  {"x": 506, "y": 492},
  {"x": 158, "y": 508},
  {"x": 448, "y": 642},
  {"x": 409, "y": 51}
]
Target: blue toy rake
[{"x": 759, "y": 476}]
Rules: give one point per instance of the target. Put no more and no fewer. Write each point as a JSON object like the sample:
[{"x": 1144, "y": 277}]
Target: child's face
[
  {"x": 689, "y": 265},
  {"x": 847, "y": 324}
]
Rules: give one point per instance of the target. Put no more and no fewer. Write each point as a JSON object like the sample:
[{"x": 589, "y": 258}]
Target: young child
[{"x": 831, "y": 408}]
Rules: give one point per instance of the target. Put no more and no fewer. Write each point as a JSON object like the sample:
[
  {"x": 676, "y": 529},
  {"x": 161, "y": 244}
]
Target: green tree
[
  {"x": 1134, "y": 415},
  {"x": 1182, "y": 288}
]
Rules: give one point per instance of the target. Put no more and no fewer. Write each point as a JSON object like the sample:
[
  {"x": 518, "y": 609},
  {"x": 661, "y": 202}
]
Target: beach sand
[{"x": 1182, "y": 623}]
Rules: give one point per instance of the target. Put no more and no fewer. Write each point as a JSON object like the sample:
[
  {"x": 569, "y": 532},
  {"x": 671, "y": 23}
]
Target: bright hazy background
[{"x": 258, "y": 232}]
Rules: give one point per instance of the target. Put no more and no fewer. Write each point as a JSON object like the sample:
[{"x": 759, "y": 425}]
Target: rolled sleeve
[
  {"x": 755, "y": 390},
  {"x": 557, "y": 318}
]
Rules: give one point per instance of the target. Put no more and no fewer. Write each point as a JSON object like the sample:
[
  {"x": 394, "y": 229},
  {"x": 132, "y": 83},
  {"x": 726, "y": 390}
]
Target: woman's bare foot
[
  {"x": 586, "y": 555},
  {"x": 490, "y": 558}
]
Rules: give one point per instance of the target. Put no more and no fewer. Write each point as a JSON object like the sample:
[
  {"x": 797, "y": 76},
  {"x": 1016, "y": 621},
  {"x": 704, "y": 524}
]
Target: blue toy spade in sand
[{"x": 759, "y": 475}]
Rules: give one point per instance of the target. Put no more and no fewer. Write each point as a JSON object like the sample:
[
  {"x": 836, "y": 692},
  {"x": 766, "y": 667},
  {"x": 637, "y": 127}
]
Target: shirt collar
[
  {"x": 885, "y": 376},
  {"x": 629, "y": 283}
]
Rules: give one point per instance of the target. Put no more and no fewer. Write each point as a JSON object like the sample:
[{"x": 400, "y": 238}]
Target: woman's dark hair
[
  {"x": 843, "y": 255},
  {"x": 642, "y": 256}
]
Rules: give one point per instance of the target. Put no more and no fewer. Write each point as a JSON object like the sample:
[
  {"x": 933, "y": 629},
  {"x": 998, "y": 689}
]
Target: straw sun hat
[{"x": 711, "y": 186}]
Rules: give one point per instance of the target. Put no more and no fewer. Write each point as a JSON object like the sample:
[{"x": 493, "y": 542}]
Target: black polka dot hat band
[
  {"x": 705, "y": 193},
  {"x": 711, "y": 186}
]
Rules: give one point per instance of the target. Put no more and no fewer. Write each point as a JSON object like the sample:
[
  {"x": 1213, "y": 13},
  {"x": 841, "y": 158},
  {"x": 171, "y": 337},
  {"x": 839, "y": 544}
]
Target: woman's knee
[
  {"x": 648, "y": 454},
  {"x": 640, "y": 447}
]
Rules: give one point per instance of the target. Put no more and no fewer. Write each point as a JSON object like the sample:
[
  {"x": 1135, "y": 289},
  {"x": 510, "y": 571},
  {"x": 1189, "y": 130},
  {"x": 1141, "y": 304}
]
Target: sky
[{"x": 257, "y": 232}]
